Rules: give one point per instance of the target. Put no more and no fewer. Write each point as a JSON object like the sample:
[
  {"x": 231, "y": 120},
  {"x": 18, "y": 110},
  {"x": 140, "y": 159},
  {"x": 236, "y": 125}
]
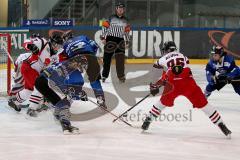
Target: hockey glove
[
  {"x": 222, "y": 78},
  {"x": 82, "y": 96},
  {"x": 154, "y": 89}
]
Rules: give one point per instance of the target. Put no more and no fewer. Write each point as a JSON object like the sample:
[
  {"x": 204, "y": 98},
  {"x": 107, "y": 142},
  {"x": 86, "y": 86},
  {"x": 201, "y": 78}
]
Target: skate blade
[
  {"x": 143, "y": 132},
  {"x": 32, "y": 115},
  {"x": 16, "y": 109},
  {"x": 75, "y": 132},
  {"x": 229, "y": 136},
  {"x": 67, "y": 132}
]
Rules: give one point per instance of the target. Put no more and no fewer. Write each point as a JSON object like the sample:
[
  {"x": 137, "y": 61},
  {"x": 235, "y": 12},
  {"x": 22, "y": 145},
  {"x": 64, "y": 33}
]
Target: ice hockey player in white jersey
[
  {"x": 177, "y": 79},
  {"x": 30, "y": 68}
]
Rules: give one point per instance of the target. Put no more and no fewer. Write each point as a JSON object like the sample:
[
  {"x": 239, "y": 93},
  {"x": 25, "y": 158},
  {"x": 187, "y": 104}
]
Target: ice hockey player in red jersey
[{"x": 174, "y": 70}]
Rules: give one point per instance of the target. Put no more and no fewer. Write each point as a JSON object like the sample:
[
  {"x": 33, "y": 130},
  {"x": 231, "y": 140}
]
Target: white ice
[{"x": 41, "y": 138}]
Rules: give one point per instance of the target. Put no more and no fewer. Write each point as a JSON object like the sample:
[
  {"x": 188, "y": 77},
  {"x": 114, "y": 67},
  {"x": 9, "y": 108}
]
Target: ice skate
[
  {"x": 12, "y": 104},
  {"x": 122, "y": 80},
  {"x": 225, "y": 130},
  {"x": 146, "y": 123},
  {"x": 68, "y": 129},
  {"x": 31, "y": 112}
]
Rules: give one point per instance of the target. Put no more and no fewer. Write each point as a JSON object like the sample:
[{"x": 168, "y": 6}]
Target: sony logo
[{"x": 62, "y": 23}]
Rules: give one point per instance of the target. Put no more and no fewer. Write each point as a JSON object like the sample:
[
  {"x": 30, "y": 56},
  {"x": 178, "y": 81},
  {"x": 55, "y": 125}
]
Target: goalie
[
  {"x": 27, "y": 69},
  {"x": 221, "y": 70}
]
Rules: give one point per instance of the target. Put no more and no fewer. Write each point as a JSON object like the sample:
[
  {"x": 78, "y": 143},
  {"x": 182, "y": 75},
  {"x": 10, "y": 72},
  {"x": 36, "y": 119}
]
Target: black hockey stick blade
[{"x": 132, "y": 107}]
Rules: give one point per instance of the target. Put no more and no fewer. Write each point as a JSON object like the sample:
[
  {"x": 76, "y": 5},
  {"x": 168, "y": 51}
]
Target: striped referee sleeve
[
  {"x": 127, "y": 36},
  {"x": 104, "y": 33}
]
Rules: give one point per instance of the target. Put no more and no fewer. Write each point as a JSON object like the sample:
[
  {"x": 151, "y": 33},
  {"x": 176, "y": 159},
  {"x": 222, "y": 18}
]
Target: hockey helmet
[
  {"x": 168, "y": 46},
  {"x": 56, "y": 42},
  {"x": 67, "y": 35},
  {"x": 29, "y": 45},
  {"x": 218, "y": 50},
  {"x": 38, "y": 44},
  {"x": 56, "y": 38}
]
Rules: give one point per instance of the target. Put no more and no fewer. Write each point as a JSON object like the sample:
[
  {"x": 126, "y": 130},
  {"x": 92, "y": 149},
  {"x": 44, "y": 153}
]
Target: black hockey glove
[
  {"x": 222, "y": 78},
  {"x": 229, "y": 79},
  {"x": 83, "y": 96},
  {"x": 154, "y": 89}
]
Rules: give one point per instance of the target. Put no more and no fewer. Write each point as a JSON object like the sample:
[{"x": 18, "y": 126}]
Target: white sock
[
  {"x": 23, "y": 95},
  {"x": 35, "y": 99},
  {"x": 212, "y": 113},
  {"x": 156, "y": 109}
]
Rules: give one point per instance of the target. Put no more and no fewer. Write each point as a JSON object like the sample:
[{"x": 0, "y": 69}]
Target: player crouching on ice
[
  {"x": 29, "y": 67},
  {"x": 63, "y": 82},
  {"x": 174, "y": 66},
  {"x": 221, "y": 70}
]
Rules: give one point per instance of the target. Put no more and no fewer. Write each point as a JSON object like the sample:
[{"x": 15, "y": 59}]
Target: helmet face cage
[
  {"x": 218, "y": 50},
  {"x": 36, "y": 45},
  {"x": 33, "y": 48},
  {"x": 56, "y": 41},
  {"x": 55, "y": 46},
  {"x": 56, "y": 38},
  {"x": 67, "y": 35},
  {"x": 211, "y": 54}
]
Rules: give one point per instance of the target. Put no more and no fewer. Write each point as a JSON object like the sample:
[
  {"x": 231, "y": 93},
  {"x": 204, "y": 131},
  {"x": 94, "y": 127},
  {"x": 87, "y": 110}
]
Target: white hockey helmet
[{"x": 38, "y": 44}]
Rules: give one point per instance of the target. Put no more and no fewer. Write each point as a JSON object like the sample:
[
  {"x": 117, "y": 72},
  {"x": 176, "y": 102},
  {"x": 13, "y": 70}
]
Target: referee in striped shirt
[{"x": 115, "y": 37}]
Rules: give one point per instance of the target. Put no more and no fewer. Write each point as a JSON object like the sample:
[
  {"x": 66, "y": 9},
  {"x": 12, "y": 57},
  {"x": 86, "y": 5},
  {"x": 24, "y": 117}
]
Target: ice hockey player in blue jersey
[
  {"x": 63, "y": 82},
  {"x": 221, "y": 70}
]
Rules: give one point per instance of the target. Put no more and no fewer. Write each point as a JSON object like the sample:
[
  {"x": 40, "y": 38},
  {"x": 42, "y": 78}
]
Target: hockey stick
[
  {"x": 111, "y": 113},
  {"x": 159, "y": 85},
  {"x": 226, "y": 81},
  {"x": 235, "y": 80},
  {"x": 132, "y": 107}
]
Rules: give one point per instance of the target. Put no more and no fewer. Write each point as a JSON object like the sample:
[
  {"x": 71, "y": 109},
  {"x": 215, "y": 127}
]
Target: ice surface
[{"x": 27, "y": 138}]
